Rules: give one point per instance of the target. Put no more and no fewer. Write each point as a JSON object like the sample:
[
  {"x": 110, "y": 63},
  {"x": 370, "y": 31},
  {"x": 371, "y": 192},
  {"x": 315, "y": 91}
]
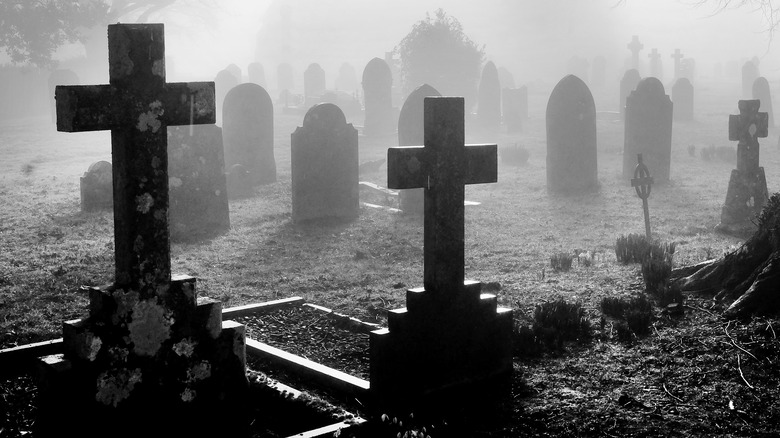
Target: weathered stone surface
[
  {"x": 248, "y": 132},
  {"x": 747, "y": 192},
  {"x": 198, "y": 190},
  {"x": 648, "y": 129},
  {"x": 256, "y": 74},
  {"x": 325, "y": 166},
  {"x": 749, "y": 75},
  {"x": 411, "y": 133},
  {"x": 628, "y": 83},
  {"x": 682, "y": 96},
  {"x": 97, "y": 187},
  {"x": 762, "y": 92},
  {"x": 449, "y": 334},
  {"x": 571, "y": 138},
  {"x": 313, "y": 83},
  {"x": 489, "y": 99},
  {"x": 377, "y": 92}
]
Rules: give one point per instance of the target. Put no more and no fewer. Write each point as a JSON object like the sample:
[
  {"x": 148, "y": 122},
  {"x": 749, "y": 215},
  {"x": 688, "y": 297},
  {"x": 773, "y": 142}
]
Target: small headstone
[
  {"x": 749, "y": 75},
  {"x": 656, "y": 67},
  {"x": 506, "y": 78},
  {"x": 489, "y": 99},
  {"x": 648, "y": 129},
  {"x": 682, "y": 96},
  {"x": 59, "y": 77},
  {"x": 635, "y": 46},
  {"x": 347, "y": 79},
  {"x": 313, "y": 83},
  {"x": 762, "y": 92},
  {"x": 223, "y": 82},
  {"x": 248, "y": 131},
  {"x": 285, "y": 80},
  {"x": 599, "y": 76},
  {"x": 747, "y": 193},
  {"x": 571, "y": 138},
  {"x": 628, "y": 84},
  {"x": 377, "y": 91},
  {"x": 237, "y": 73},
  {"x": 239, "y": 182},
  {"x": 514, "y": 104},
  {"x": 324, "y": 166},
  {"x": 411, "y": 133},
  {"x": 196, "y": 182},
  {"x": 97, "y": 187},
  {"x": 677, "y": 56},
  {"x": 256, "y": 74}
]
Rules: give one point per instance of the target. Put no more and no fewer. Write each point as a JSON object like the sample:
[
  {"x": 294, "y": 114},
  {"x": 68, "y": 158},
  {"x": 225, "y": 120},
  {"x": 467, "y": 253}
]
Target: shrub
[
  {"x": 561, "y": 261},
  {"x": 634, "y": 315},
  {"x": 558, "y": 321},
  {"x": 634, "y": 248},
  {"x": 656, "y": 269}
]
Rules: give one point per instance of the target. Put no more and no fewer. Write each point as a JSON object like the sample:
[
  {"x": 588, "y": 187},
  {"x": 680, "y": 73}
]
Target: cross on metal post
[
  {"x": 442, "y": 167},
  {"x": 642, "y": 182},
  {"x": 635, "y": 46},
  {"x": 677, "y": 56},
  {"x": 137, "y": 106},
  {"x": 747, "y": 128}
]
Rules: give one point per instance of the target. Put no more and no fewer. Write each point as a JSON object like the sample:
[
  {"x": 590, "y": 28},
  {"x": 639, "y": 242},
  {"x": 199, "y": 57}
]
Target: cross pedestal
[
  {"x": 449, "y": 335},
  {"x": 747, "y": 193},
  {"x": 677, "y": 56},
  {"x": 643, "y": 182},
  {"x": 151, "y": 358},
  {"x": 635, "y": 46}
]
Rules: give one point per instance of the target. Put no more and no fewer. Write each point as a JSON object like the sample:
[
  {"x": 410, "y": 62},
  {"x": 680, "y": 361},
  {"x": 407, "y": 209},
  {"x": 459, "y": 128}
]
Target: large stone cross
[
  {"x": 747, "y": 128},
  {"x": 677, "y": 56},
  {"x": 443, "y": 167},
  {"x": 635, "y": 46},
  {"x": 137, "y": 106}
]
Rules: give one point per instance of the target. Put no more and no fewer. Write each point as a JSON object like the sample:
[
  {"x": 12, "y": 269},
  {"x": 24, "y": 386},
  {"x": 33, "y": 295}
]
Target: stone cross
[
  {"x": 747, "y": 128},
  {"x": 677, "y": 56},
  {"x": 635, "y": 46},
  {"x": 642, "y": 182},
  {"x": 654, "y": 65},
  {"x": 137, "y": 105},
  {"x": 443, "y": 167}
]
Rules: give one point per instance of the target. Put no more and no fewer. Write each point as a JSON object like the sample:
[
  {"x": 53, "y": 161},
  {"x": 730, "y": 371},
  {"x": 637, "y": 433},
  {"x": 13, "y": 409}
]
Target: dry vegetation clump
[
  {"x": 633, "y": 316},
  {"x": 635, "y": 248},
  {"x": 558, "y": 321},
  {"x": 561, "y": 261}
]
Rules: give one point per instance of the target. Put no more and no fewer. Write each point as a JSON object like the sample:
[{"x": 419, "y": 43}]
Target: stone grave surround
[
  {"x": 572, "y": 162},
  {"x": 96, "y": 187},
  {"x": 449, "y": 335},
  {"x": 648, "y": 130},
  {"x": 151, "y": 358},
  {"x": 747, "y": 192}
]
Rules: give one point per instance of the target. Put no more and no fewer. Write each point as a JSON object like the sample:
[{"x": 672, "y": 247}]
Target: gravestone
[
  {"x": 628, "y": 84},
  {"x": 313, "y": 83},
  {"x": 285, "y": 80},
  {"x": 256, "y": 74},
  {"x": 150, "y": 353},
  {"x": 324, "y": 163},
  {"x": 579, "y": 67},
  {"x": 648, "y": 129},
  {"x": 688, "y": 69},
  {"x": 599, "y": 76},
  {"x": 197, "y": 188},
  {"x": 762, "y": 92},
  {"x": 236, "y": 71},
  {"x": 96, "y": 187},
  {"x": 677, "y": 56},
  {"x": 411, "y": 132},
  {"x": 59, "y": 77},
  {"x": 749, "y": 75},
  {"x": 505, "y": 78},
  {"x": 571, "y": 138},
  {"x": 224, "y": 82},
  {"x": 347, "y": 79},
  {"x": 248, "y": 132},
  {"x": 635, "y": 46},
  {"x": 449, "y": 335},
  {"x": 656, "y": 67},
  {"x": 239, "y": 182},
  {"x": 377, "y": 91},
  {"x": 682, "y": 96},
  {"x": 747, "y": 193},
  {"x": 489, "y": 99},
  {"x": 514, "y": 104}
]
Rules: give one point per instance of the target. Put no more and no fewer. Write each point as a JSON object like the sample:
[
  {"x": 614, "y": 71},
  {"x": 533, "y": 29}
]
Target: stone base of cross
[
  {"x": 450, "y": 338},
  {"x": 747, "y": 193}
]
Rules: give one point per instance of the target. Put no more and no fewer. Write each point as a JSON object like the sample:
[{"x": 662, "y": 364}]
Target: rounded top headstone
[
  {"x": 324, "y": 115},
  {"x": 571, "y": 85},
  {"x": 248, "y": 92},
  {"x": 650, "y": 86},
  {"x": 410, "y": 119},
  {"x": 683, "y": 82},
  {"x": 377, "y": 72},
  {"x": 632, "y": 74}
]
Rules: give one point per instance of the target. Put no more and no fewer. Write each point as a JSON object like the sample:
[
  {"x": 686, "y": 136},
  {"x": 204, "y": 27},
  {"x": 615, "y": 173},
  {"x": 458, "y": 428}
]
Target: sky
[{"x": 533, "y": 39}]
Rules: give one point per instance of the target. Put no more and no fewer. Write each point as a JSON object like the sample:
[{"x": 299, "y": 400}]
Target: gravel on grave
[{"x": 312, "y": 334}]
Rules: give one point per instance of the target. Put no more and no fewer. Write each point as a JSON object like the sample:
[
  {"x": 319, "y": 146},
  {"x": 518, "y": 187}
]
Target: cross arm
[
  {"x": 758, "y": 123},
  {"x": 404, "y": 167},
  {"x": 482, "y": 163},
  {"x": 87, "y": 107},
  {"x": 189, "y": 103}
]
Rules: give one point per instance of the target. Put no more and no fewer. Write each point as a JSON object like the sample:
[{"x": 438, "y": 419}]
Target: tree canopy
[{"x": 439, "y": 53}]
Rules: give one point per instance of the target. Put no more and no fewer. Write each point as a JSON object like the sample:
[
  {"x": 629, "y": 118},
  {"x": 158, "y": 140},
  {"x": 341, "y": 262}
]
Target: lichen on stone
[
  {"x": 150, "y": 119},
  {"x": 149, "y": 328},
  {"x": 115, "y": 385},
  {"x": 125, "y": 301},
  {"x": 144, "y": 203},
  {"x": 188, "y": 395},
  {"x": 199, "y": 371},
  {"x": 94, "y": 347},
  {"x": 185, "y": 347}
]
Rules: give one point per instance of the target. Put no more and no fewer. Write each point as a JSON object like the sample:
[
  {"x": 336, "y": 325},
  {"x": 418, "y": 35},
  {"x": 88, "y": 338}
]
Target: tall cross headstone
[
  {"x": 677, "y": 56},
  {"x": 635, "y": 46},
  {"x": 747, "y": 192},
  {"x": 130, "y": 354},
  {"x": 655, "y": 64},
  {"x": 449, "y": 333},
  {"x": 642, "y": 182}
]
